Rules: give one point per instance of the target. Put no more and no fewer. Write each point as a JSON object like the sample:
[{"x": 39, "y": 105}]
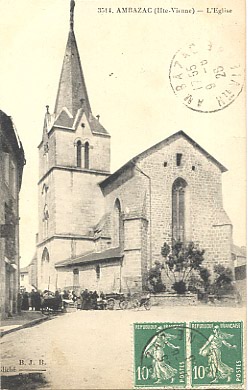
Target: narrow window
[
  {"x": 98, "y": 271},
  {"x": 179, "y": 159},
  {"x": 178, "y": 209},
  {"x": 117, "y": 224},
  {"x": 79, "y": 154},
  {"x": 75, "y": 278},
  {"x": 45, "y": 277},
  {"x": 45, "y": 220},
  {"x": 86, "y": 155}
]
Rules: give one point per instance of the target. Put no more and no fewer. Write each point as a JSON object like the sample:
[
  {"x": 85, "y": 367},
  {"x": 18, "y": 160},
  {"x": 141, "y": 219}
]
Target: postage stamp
[
  {"x": 159, "y": 355},
  {"x": 206, "y": 77},
  {"x": 216, "y": 354}
]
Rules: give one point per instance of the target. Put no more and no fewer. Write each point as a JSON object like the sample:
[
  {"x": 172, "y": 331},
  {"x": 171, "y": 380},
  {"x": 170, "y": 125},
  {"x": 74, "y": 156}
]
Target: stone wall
[
  {"x": 11, "y": 167},
  {"x": 109, "y": 280},
  {"x": 59, "y": 148},
  {"x": 204, "y": 207},
  {"x": 59, "y": 249}
]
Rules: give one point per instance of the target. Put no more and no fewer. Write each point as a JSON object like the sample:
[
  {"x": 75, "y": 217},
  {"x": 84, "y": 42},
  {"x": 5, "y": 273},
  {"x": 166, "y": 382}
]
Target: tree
[
  {"x": 181, "y": 260},
  {"x": 154, "y": 278}
]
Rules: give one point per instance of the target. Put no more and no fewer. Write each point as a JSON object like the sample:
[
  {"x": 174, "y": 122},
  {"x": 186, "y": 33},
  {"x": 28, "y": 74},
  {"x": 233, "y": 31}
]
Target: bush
[
  {"x": 223, "y": 282},
  {"x": 154, "y": 278},
  {"x": 180, "y": 287},
  {"x": 181, "y": 262}
]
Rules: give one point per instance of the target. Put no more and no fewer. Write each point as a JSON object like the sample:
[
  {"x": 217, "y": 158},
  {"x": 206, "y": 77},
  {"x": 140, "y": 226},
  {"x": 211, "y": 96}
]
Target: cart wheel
[
  {"x": 45, "y": 310},
  {"x": 148, "y": 305},
  {"x": 123, "y": 305},
  {"x": 110, "y": 304},
  {"x": 135, "y": 303}
]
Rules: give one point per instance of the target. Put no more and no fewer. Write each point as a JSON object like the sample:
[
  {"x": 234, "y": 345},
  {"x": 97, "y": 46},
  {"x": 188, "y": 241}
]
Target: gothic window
[
  {"x": 79, "y": 154},
  {"x": 45, "y": 258},
  {"x": 45, "y": 220},
  {"x": 117, "y": 224},
  {"x": 75, "y": 277},
  {"x": 44, "y": 189},
  {"x": 178, "y": 209},
  {"x": 86, "y": 155}
]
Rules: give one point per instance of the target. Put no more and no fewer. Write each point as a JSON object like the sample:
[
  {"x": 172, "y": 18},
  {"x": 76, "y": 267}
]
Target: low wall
[{"x": 167, "y": 298}]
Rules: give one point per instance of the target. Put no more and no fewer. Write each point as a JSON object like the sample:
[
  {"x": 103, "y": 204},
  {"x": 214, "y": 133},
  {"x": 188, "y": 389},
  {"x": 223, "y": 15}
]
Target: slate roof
[
  {"x": 72, "y": 87},
  {"x": 72, "y": 96},
  {"x": 237, "y": 251},
  {"x": 112, "y": 253}
]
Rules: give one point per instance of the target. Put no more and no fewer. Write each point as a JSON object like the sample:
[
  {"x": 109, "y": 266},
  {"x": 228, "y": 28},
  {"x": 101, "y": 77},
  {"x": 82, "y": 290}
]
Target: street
[{"x": 86, "y": 349}]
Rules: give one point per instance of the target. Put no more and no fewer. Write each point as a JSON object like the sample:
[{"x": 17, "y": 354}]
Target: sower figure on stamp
[
  {"x": 212, "y": 349},
  {"x": 161, "y": 370}
]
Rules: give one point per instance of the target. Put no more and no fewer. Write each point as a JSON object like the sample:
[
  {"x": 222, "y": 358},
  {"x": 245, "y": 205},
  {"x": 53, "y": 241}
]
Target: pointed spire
[{"x": 72, "y": 88}]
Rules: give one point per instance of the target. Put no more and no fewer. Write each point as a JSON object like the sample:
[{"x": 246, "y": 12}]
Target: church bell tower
[{"x": 74, "y": 156}]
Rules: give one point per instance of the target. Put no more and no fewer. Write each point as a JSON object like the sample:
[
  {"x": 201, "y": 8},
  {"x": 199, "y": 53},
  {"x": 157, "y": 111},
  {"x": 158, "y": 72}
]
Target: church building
[{"x": 104, "y": 231}]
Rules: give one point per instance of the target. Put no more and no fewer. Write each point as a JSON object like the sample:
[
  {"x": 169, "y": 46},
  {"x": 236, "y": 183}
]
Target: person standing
[
  {"x": 84, "y": 299},
  {"x": 25, "y": 301},
  {"x": 37, "y": 301},
  {"x": 32, "y": 296}
]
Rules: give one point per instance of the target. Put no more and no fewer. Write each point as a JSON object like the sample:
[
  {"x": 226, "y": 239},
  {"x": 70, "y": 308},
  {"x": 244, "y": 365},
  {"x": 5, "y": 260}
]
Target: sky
[{"x": 126, "y": 61}]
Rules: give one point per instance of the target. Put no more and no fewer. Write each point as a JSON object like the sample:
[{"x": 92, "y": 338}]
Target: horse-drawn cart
[
  {"x": 52, "y": 305},
  {"x": 135, "y": 301}
]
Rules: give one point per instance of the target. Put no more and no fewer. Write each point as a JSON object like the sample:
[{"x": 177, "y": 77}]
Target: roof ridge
[{"x": 167, "y": 140}]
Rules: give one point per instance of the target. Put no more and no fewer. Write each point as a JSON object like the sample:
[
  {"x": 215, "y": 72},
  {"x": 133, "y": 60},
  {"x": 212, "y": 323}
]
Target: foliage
[
  {"x": 181, "y": 260},
  {"x": 223, "y": 281},
  {"x": 180, "y": 287},
  {"x": 199, "y": 283},
  {"x": 154, "y": 278}
]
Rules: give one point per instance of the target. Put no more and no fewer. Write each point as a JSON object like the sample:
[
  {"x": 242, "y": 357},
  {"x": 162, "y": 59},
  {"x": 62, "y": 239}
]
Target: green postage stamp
[
  {"x": 195, "y": 355},
  {"x": 160, "y": 350},
  {"x": 216, "y": 354}
]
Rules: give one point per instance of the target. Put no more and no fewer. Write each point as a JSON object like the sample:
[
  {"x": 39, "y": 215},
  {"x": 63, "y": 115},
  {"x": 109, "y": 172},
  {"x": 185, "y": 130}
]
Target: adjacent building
[
  {"x": 12, "y": 161},
  {"x": 104, "y": 231},
  {"x": 28, "y": 276}
]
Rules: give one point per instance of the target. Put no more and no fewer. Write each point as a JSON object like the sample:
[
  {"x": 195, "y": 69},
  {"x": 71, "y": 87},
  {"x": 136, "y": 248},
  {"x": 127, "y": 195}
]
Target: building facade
[
  {"x": 11, "y": 167},
  {"x": 104, "y": 231}
]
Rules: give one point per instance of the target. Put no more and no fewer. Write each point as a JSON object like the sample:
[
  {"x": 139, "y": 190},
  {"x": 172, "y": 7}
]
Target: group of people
[
  {"x": 34, "y": 299},
  {"x": 89, "y": 300},
  {"x": 31, "y": 300}
]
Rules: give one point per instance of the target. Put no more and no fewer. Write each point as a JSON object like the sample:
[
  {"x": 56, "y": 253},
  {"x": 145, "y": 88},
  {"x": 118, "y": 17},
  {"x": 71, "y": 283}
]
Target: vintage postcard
[{"x": 123, "y": 194}]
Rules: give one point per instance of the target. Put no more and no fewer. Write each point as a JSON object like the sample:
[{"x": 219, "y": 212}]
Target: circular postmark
[{"x": 206, "y": 77}]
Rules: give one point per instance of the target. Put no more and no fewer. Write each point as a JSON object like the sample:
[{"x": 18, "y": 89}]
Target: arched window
[
  {"x": 45, "y": 266},
  {"x": 98, "y": 271},
  {"x": 178, "y": 209},
  {"x": 79, "y": 154},
  {"x": 45, "y": 220},
  {"x": 45, "y": 255},
  {"x": 117, "y": 224},
  {"x": 75, "y": 277},
  {"x": 86, "y": 155}
]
